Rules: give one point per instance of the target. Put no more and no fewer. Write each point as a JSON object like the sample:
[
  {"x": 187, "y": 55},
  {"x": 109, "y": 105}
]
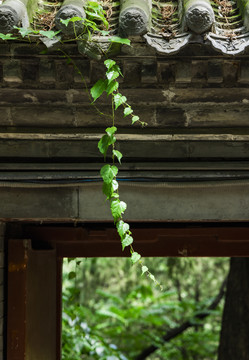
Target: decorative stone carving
[
  {"x": 199, "y": 15},
  {"x": 70, "y": 9},
  {"x": 167, "y": 46},
  {"x": 229, "y": 45},
  {"x": 13, "y": 13},
  {"x": 134, "y": 18}
]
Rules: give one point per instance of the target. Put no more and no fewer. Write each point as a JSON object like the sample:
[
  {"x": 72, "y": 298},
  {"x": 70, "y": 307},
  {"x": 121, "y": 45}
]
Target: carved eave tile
[
  {"x": 229, "y": 45},
  {"x": 166, "y": 46}
]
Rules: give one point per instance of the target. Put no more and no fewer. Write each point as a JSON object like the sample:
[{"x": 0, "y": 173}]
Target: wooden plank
[{"x": 153, "y": 239}]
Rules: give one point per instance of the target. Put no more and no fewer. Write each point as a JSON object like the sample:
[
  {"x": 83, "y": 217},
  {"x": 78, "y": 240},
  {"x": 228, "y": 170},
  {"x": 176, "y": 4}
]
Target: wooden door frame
[{"x": 33, "y": 241}]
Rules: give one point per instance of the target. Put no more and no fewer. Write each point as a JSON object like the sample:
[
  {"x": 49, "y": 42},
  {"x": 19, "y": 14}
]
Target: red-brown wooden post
[
  {"x": 17, "y": 298},
  {"x": 33, "y": 298}
]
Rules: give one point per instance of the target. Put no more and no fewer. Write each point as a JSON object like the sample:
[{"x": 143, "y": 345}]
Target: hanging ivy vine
[{"x": 97, "y": 24}]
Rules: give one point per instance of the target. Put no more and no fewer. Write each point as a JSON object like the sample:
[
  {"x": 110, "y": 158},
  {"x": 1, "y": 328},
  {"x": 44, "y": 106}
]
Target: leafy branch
[{"x": 174, "y": 332}]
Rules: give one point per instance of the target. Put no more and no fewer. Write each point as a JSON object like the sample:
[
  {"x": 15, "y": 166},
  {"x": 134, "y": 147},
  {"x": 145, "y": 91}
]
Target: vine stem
[{"x": 85, "y": 85}]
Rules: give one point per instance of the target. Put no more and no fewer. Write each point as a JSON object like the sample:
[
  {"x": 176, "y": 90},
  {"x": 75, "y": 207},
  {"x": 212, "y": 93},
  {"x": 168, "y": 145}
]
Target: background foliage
[{"x": 111, "y": 312}]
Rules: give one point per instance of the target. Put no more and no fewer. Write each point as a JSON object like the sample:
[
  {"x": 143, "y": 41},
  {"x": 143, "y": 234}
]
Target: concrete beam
[{"x": 198, "y": 201}]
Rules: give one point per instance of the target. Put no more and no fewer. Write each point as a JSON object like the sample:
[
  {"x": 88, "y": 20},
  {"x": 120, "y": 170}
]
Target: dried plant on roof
[
  {"x": 167, "y": 12},
  {"x": 225, "y": 7}
]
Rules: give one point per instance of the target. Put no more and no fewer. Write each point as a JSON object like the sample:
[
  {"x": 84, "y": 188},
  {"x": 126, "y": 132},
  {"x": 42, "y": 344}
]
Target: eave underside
[{"x": 189, "y": 163}]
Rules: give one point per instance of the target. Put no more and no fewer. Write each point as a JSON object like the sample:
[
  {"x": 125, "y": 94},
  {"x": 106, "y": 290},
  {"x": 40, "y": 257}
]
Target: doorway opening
[
  {"x": 36, "y": 252},
  {"x": 112, "y": 312}
]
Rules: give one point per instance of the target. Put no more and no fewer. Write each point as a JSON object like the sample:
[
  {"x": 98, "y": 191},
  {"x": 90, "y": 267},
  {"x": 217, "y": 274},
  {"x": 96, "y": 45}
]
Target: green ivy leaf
[
  {"x": 127, "y": 111},
  {"x": 112, "y": 86},
  {"x": 109, "y": 189},
  {"x": 119, "y": 40},
  {"x": 122, "y": 228},
  {"x": 127, "y": 241},
  {"x": 7, "y": 37},
  {"x": 111, "y": 131},
  {"x": 114, "y": 185},
  {"x": 65, "y": 21},
  {"x": 98, "y": 16},
  {"x": 98, "y": 88},
  {"x": 119, "y": 100},
  {"x": 92, "y": 25},
  {"x": 72, "y": 20},
  {"x": 134, "y": 119},
  {"x": 94, "y": 5},
  {"x": 135, "y": 257},
  {"x": 49, "y": 34},
  {"x": 112, "y": 74},
  {"x": 152, "y": 277},
  {"x": 118, "y": 155},
  {"x": 104, "y": 143},
  {"x": 107, "y": 140},
  {"x": 144, "y": 269},
  {"x": 117, "y": 208},
  {"x": 76, "y": 18},
  {"x": 109, "y": 63},
  {"x": 108, "y": 173},
  {"x": 24, "y": 31}
]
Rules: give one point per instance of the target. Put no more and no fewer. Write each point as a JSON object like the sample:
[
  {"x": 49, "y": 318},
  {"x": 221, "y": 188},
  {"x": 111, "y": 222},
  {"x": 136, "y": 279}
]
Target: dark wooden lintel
[{"x": 179, "y": 239}]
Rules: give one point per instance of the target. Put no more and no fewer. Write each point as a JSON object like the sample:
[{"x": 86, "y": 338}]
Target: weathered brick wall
[{"x": 186, "y": 91}]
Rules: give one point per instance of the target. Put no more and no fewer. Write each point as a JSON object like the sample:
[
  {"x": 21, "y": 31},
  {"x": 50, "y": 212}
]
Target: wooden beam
[{"x": 151, "y": 240}]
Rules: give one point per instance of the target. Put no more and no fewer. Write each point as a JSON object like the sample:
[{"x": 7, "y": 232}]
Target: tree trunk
[{"x": 234, "y": 339}]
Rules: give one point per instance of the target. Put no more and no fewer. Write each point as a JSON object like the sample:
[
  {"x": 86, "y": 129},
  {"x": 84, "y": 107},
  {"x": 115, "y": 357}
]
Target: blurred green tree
[{"x": 113, "y": 313}]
